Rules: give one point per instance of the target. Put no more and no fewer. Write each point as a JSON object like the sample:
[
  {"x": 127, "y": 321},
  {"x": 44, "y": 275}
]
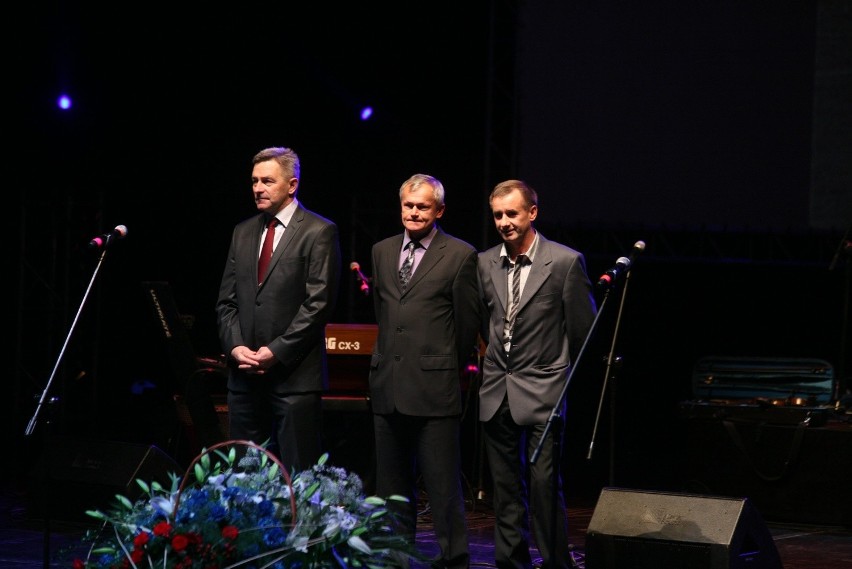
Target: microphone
[
  {"x": 622, "y": 265},
  {"x": 365, "y": 282},
  {"x": 103, "y": 241}
]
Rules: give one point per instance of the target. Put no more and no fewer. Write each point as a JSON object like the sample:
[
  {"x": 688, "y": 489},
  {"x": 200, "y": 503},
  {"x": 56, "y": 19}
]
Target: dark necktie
[
  {"x": 514, "y": 301},
  {"x": 266, "y": 250},
  {"x": 408, "y": 264}
]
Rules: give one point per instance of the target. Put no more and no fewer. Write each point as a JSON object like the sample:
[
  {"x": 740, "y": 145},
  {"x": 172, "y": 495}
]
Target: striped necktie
[
  {"x": 514, "y": 300},
  {"x": 408, "y": 264}
]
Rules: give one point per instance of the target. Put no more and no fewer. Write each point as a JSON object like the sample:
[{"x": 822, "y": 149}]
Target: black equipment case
[{"x": 772, "y": 390}]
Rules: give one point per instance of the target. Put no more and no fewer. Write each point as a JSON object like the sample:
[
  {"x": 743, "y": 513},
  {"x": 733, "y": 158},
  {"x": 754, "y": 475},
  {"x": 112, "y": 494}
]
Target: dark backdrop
[{"x": 681, "y": 126}]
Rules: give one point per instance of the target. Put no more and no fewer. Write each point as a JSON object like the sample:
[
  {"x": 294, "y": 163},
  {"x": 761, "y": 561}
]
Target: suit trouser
[
  {"x": 509, "y": 447},
  {"x": 294, "y": 420},
  {"x": 405, "y": 444}
]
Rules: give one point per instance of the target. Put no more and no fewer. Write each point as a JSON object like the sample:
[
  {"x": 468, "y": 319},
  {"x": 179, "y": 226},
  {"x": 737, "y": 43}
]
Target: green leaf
[
  {"x": 311, "y": 490},
  {"x": 272, "y": 473},
  {"x": 124, "y": 501}
]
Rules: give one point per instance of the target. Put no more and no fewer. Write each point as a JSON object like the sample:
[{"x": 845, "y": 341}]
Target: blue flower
[{"x": 222, "y": 514}]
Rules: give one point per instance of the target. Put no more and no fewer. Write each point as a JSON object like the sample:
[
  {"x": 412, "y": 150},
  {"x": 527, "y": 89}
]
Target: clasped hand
[{"x": 256, "y": 362}]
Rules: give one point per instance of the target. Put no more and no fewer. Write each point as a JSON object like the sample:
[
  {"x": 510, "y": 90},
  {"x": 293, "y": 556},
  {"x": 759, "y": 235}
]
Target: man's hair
[
  {"x": 418, "y": 180},
  {"x": 503, "y": 188},
  {"x": 286, "y": 157}
]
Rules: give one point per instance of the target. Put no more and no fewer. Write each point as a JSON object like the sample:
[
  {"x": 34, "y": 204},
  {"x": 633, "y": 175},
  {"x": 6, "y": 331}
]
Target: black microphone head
[
  {"x": 354, "y": 266},
  {"x": 623, "y": 261},
  {"x": 639, "y": 246},
  {"x": 121, "y": 231}
]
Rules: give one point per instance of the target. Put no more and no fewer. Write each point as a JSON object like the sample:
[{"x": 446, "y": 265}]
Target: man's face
[
  {"x": 420, "y": 211},
  {"x": 511, "y": 218},
  {"x": 271, "y": 187}
]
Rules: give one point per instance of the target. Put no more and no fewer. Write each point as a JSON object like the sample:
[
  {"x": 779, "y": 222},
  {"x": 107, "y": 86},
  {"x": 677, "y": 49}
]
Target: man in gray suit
[
  {"x": 539, "y": 308},
  {"x": 272, "y": 325},
  {"x": 427, "y": 310}
]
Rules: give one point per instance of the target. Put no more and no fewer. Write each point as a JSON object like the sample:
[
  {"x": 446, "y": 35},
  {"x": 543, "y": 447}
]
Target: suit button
[
  {"x": 397, "y": 358},
  {"x": 509, "y": 371}
]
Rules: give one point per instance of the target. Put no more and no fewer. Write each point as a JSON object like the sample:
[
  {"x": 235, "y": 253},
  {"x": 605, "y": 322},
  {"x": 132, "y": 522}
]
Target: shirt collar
[
  {"x": 530, "y": 254},
  {"x": 286, "y": 214},
  {"x": 406, "y": 239}
]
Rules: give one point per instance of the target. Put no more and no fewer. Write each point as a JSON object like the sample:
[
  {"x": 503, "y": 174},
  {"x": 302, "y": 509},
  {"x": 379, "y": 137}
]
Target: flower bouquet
[{"x": 250, "y": 514}]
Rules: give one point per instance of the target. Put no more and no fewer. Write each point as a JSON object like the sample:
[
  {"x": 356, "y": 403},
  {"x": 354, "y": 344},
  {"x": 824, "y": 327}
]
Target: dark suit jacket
[
  {"x": 556, "y": 312},
  {"x": 426, "y": 333},
  {"x": 289, "y": 311}
]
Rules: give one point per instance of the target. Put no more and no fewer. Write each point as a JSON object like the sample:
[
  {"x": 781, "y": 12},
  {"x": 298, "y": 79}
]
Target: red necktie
[{"x": 266, "y": 251}]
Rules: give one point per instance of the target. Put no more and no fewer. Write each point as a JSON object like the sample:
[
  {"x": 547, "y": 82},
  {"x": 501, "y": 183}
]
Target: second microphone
[{"x": 364, "y": 282}]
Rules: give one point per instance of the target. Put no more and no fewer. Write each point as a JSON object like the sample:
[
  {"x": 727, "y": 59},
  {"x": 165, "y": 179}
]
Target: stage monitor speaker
[
  {"x": 75, "y": 475},
  {"x": 633, "y": 529}
]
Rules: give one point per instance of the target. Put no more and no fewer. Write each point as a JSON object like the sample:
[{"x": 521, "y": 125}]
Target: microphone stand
[
  {"x": 555, "y": 416},
  {"x": 44, "y": 398},
  {"x": 612, "y": 362},
  {"x": 479, "y": 446},
  {"x": 555, "y": 413}
]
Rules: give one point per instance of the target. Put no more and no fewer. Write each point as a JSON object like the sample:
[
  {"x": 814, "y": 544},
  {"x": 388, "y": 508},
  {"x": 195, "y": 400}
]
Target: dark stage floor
[{"x": 24, "y": 543}]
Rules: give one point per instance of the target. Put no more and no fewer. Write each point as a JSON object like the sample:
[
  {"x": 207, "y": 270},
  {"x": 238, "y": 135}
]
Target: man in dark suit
[
  {"x": 272, "y": 324},
  {"x": 427, "y": 310},
  {"x": 538, "y": 317}
]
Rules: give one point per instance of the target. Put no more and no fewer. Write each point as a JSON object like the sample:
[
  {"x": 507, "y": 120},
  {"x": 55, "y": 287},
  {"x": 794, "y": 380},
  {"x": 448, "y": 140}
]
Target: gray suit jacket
[
  {"x": 556, "y": 312},
  {"x": 289, "y": 311},
  {"x": 426, "y": 333}
]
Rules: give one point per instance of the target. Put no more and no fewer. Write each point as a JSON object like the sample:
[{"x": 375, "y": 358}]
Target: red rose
[
  {"x": 137, "y": 555},
  {"x": 140, "y": 540},
  {"x": 163, "y": 529},
  {"x": 78, "y": 564},
  {"x": 179, "y": 542},
  {"x": 230, "y": 532}
]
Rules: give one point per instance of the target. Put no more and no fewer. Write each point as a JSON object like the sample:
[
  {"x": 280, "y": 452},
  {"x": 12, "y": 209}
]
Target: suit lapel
[
  {"x": 499, "y": 279},
  {"x": 253, "y": 242},
  {"x": 431, "y": 257},
  {"x": 539, "y": 272},
  {"x": 391, "y": 257},
  {"x": 290, "y": 233}
]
